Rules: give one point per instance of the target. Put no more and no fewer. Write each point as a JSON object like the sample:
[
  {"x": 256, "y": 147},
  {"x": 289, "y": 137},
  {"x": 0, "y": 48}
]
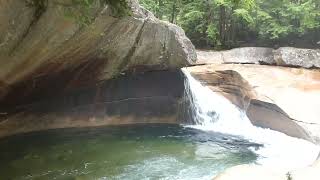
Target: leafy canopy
[{"x": 226, "y": 23}]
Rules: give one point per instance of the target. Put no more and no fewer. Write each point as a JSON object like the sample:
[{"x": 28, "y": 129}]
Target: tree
[{"x": 231, "y": 23}]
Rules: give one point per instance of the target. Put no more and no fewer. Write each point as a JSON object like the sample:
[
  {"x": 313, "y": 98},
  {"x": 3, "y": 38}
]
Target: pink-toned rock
[{"x": 280, "y": 98}]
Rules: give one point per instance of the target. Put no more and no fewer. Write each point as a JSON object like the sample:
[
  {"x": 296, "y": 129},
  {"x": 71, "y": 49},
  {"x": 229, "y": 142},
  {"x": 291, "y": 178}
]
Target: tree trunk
[
  {"x": 159, "y": 10},
  {"x": 173, "y": 12},
  {"x": 209, "y": 20},
  {"x": 222, "y": 25}
]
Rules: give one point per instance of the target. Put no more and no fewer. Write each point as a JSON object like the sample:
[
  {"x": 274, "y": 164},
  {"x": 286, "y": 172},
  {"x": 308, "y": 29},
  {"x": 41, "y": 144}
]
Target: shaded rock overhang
[
  {"x": 53, "y": 47},
  {"x": 153, "y": 97}
]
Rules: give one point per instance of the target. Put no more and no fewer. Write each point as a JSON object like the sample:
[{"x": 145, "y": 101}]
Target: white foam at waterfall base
[{"x": 213, "y": 112}]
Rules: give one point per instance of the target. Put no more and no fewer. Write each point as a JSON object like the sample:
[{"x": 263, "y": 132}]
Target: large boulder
[
  {"x": 289, "y": 56},
  {"x": 68, "y": 44},
  {"x": 284, "y": 56},
  {"x": 209, "y": 57},
  {"x": 245, "y": 55},
  {"x": 249, "y": 55},
  {"x": 280, "y": 98}
]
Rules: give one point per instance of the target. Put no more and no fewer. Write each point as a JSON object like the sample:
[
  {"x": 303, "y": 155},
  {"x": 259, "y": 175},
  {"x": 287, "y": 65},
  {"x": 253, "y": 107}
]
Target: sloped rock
[
  {"x": 280, "y": 98},
  {"x": 73, "y": 45}
]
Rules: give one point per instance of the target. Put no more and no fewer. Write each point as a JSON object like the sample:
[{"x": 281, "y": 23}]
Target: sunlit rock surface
[
  {"x": 283, "y": 56},
  {"x": 245, "y": 55},
  {"x": 289, "y": 56},
  {"x": 279, "y": 98}
]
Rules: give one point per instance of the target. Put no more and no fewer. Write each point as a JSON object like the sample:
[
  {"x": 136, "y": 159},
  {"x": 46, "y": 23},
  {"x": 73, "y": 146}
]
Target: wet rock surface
[
  {"x": 280, "y": 98},
  {"x": 153, "y": 97}
]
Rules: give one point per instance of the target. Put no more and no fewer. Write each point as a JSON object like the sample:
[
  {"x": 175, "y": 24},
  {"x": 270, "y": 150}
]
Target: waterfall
[{"x": 213, "y": 112}]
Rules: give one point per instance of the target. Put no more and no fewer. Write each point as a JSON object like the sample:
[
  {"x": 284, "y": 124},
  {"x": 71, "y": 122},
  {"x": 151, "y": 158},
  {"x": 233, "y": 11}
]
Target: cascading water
[{"x": 212, "y": 112}]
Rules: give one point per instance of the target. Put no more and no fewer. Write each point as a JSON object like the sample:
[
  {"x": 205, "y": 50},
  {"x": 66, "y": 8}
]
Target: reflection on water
[{"x": 122, "y": 152}]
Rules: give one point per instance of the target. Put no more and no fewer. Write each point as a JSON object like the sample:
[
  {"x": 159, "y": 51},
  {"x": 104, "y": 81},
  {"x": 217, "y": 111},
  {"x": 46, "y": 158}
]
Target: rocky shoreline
[
  {"x": 274, "y": 96},
  {"x": 57, "y": 72},
  {"x": 283, "y": 56},
  {"x": 278, "y": 89}
]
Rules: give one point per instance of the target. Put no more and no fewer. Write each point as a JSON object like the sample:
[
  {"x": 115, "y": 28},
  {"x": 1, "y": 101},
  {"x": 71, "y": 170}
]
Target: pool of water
[{"x": 122, "y": 152}]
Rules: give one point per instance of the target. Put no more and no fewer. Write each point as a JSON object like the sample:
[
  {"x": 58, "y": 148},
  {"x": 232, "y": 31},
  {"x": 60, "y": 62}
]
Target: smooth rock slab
[
  {"x": 280, "y": 98},
  {"x": 284, "y": 56},
  {"x": 245, "y": 55},
  {"x": 249, "y": 55}
]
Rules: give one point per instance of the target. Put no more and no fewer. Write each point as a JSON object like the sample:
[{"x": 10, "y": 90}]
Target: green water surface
[{"x": 124, "y": 152}]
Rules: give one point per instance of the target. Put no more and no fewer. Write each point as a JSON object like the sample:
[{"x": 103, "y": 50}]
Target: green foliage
[
  {"x": 225, "y": 23},
  {"x": 280, "y": 18},
  {"x": 213, "y": 34},
  {"x": 163, "y": 9},
  {"x": 244, "y": 15}
]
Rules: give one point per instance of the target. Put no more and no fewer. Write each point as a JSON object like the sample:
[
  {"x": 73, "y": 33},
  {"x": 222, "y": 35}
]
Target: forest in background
[{"x": 225, "y": 24}]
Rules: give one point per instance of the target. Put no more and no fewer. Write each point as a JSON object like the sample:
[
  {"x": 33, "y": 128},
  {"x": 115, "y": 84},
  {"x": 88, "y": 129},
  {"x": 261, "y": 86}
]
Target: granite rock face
[
  {"x": 245, "y": 55},
  {"x": 153, "y": 97},
  {"x": 72, "y": 45},
  {"x": 249, "y": 55},
  {"x": 289, "y": 56},
  {"x": 284, "y": 56},
  {"x": 278, "y": 89}
]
